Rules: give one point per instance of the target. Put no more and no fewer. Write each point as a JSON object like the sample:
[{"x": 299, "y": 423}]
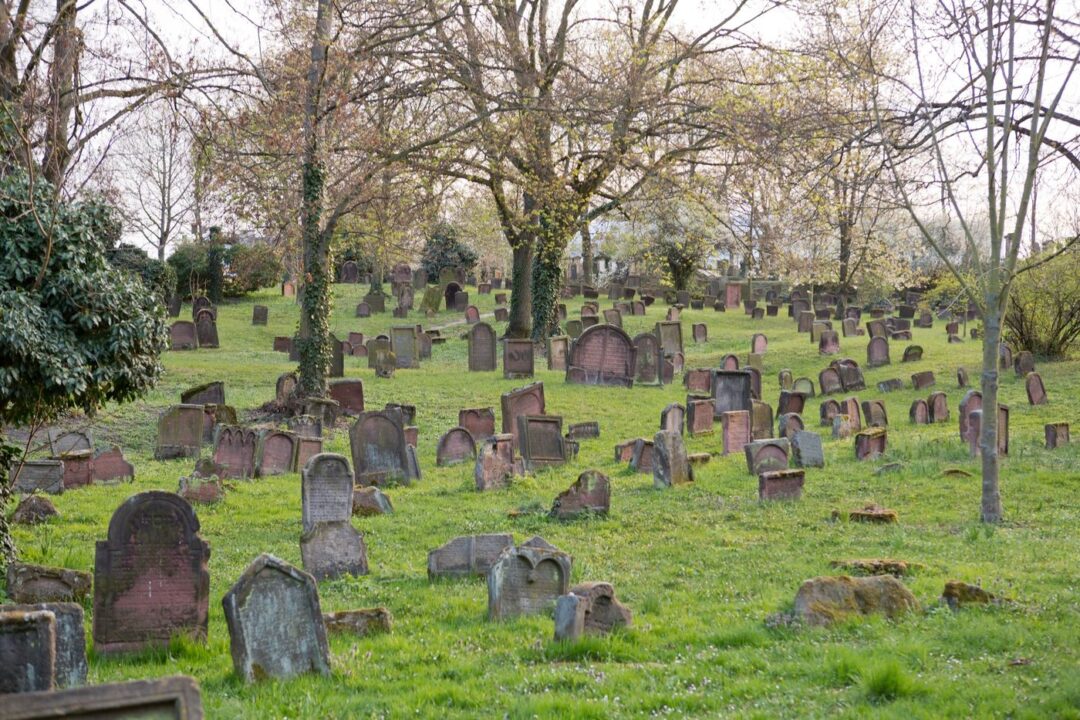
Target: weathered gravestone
[
  {"x": 923, "y": 380},
  {"x": 1057, "y": 434},
  {"x": 759, "y": 344},
  {"x": 912, "y": 353},
  {"x": 877, "y": 352},
  {"x": 32, "y": 510},
  {"x": 785, "y": 484},
  {"x": 110, "y": 466},
  {"x": 62, "y": 442},
  {"x": 874, "y": 413},
  {"x": 591, "y": 493},
  {"x": 729, "y": 362},
  {"x": 405, "y": 344},
  {"x": 890, "y": 385},
  {"x": 761, "y": 420},
  {"x": 766, "y": 455},
  {"x": 805, "y": 386},
  {"x": 326, "y": 490},
  {"x": 1024, "y": 363},
  {"x": 669, "y": 334},
  {"x": 27, "y": 650},
  {"x": 828, "y": 343},
  {"x": 731, "y": 390},
  {"x": 698, "y": 380},
  {"x": 528, "y": 400},
  {"x": 540, "y": 440},
  {"x": 179, "y": 432},
  {"x": 173, "y": 697},
  {"x": 275, "y": 622},
  {"x": 468, "y": 556},
  {"x": 494, "y": 462},
  {"x": 275, "y": 453},
  {"x": 788, "y": 424},
  {"x": 807, "y": 450},
  {"x": 206, "y": 331},
  {"x": 1036, "y": 391},
  {"x": 870, "y": 443},
  {"x": 938, "y": 407},
  {"x": 919, "y": 414},
  {"x": 602, "y": 355},
  {"x": 150, "y": 576},
  {"x": 829, "y": 381},
  {"x": 641, "y": 456},
  {"x": 517, "y": 358},
  {"x": 971, "y": 401},
  {"x": 851, "y": 377},
  {"x": 962, "y": 377},
  {"x": 17, "y": 655},
  {"x": 699, "y": 416},
  {"x": 558, "y": 350},
  {"x": 480, "y": 422},
  {"x": 332, "y": 549},
  {"x": 380, "y": 453},
  {"x": 182, "y": 336},
  {"x": 527, "y": 581},
  {"x": 349, "y": 395},
  {"x": 673, "y": 418},
  {"x": 259, "y": 315},
  {"x": 38, "y": 476},
  {"x": 589, "y": 608},
  {"x": 670, "y": 465},
  {"x": 456, "y": 446},
  {"x": 736, "y": 430},
  {"x": 647, "y": 358},
  {"x": 234, "y": 451}
]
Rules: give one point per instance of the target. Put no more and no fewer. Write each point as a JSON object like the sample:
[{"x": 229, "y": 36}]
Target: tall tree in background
[{"x": 989, "y": 75}]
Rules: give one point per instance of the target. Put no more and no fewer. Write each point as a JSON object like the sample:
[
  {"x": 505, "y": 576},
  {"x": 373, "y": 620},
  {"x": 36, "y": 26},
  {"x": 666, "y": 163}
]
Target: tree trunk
[
  {"x": 521, "y": 291},
  {"x": 546, "y": 283},
  {"x": 314, "y": 341},
  {"x": 61, "y": 94},
  {"x": 845, "y": 255},
  {"x": 988, "y": 435},
  {"x": 586, "y": 254}
]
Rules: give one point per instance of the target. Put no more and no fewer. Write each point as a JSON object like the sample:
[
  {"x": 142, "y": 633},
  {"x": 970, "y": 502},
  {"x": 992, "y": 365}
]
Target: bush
[
  {"x": 188, "y": 261},
  {"x": 444, "y": 250},
  {"x": 158, "y": 277},
  {"x": 1043, "y": 315},
  {"x": 251, "y": 268}
]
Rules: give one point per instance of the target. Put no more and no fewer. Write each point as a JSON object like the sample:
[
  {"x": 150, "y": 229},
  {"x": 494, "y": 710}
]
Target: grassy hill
[{"x": 700, "y": 566}]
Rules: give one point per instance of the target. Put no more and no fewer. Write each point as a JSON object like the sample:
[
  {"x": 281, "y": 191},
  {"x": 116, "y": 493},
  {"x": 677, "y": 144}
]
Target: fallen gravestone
[
  {"x": 468, "y": 556},
  {"x": 670, "y": 465},
  {"x": 825, "y": 600}
]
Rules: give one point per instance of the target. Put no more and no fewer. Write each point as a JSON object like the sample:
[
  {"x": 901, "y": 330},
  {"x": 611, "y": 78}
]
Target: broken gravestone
[{"x": 591, "y": 493}]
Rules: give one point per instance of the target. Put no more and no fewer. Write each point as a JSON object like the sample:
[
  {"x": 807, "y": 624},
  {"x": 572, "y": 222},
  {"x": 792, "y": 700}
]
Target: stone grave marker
[
  {"x": 540, "y": 439},
  {"x": 669, "y": 334},
  {"x": 206, "y": 331},
  {"x": 38, "y": 476},
  {"x": 765, "y": 455},
  {"x": 150, "y": 576},
  {"x": 480, "y": 422},
  {"x": 641, "y": 456},
  {"x": 517, "y": 358},
  {"x": 699, "y": 416},
  {"x": 28, "y": 650},
  {"x": 588, "y": 430},
  {"x": 673, "y": 418},
  {"x": 405, "y": 344},
  {"x": 482, "y": 344},
  {"x": 851, "y": 377},
  {"x": 937, "y": 407},
  {"x": 828, "y": 343},
  {"x": 1036, "y": 391},
  {"x": 179, "y": 432},
  {"x": 591, "y": 493},
  {"x": 805, "y": 386},
  {"x": 870, "y": 443},
  {"x": 527, "y": 581},
  {"x": 962, "y": 377},
  {"x": 912, "y": 353},
  {"x": 456, "y": 446},
  {"x": 877, "y": 328},
  {"x": 589, "y": 608},
  {"x": 890, "y": 385},
  {"x": 602, "y": 355},
  {"x": 806, "y": 322},
  {"x": 275, "y": 453},
  {"x": 851, "y": 408},
  {"x": 380, "y": 454},
  {"x": 731, "y": 390},
  {"x": 700, "y": 332},
  {"x": 1025, "y": 363},
  {"x": 761, "y": 420},
  {"x": 527, "y": 400},
  {"x": 234, "y": 451},
  {"x": 736, "y": 429},
  {"x": 275, "y": 622},
  {"x": 376, "y": 302},
  {"x": 558, "y": 350},
  {"x": 828, "y": 410},
  {"x": 110, "y": 466},
  {"x": 698, "y": 380},
  {"x": 791, "y": 402},
  {"x": 332, "y": 549},
  {"x": 670, "y": 465},
  {"x": 468, "y": 556},
  {"x": 494, "y": 462},
  {"x": 472, "y": 315},
  {"x": 647, "y": 359},
  {"x": 829, "y": 381},
  {"x": 784, "y": 484},
  {"x": 182, "y": 336},
  {"x": 877, "y": 352},
  {"x": 68, "y": 650},
  {"x": 62, "y": 442},
  {"x": 1057, "y": 434},
  {"x": 874, "y": 413},
  {"x": 971, "y": 401},
  {"x": 729, "y": 362},
  {"x": 785, "y": 379},
  {"x": 259, "y": 315},
  {"x": 789, "y": 424},
  {"x": 348, "y": 393},
  {"x": 919, "y": 414}
]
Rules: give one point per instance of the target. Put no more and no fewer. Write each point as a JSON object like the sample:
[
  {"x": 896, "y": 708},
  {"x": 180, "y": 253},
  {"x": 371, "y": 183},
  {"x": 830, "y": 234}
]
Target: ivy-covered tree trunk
[
  {"x": 520, "y": 325},
  {"x": 215, "y": 271},
  {"x": 547, "y": 282},
  {"x": 314, "y": 340},
  {"x": 988, "y": 436}
]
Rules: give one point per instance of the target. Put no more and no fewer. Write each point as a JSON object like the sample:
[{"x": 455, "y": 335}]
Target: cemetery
[{"x": 539, "y": 359}]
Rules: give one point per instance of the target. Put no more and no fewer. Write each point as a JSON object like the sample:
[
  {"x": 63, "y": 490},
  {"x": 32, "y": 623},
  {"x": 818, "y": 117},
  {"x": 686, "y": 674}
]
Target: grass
[{"x": 701, "y": 566}]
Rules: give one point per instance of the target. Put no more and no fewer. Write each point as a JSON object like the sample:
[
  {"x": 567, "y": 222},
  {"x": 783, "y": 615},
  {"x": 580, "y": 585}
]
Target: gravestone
[
  {"x": 700, "y": 332},
  {"x": 150, "y": 576},
  {"x": 729, "y": 362},
  {"x": 805, "y": 386},
  {"x": 789, "y": 424},
  {"x": 375, "y": 301},
  {"x": 494, "y": 462},
  {"x": 877, "y": 352},
  {"x": 1005, "y": 356},
  {"x": 938, "y": 407},
  {"x": 647, "y": 358},
  {"x": 540, "y": 440},
  {"x": 1024, "y": 363},
  {"x": 78, "y": 468},
  {"x": 919, "y": 414},
  {"x": 850, "y": 407},
  {"x": 736, "y": 429},
  {"x": 828, "y": 343},
  {"x": 791, "y": 402},
  {"x": 912, "y": 353},
  {"x": 761, "y": 420},
  {"x": 275, "y": 453},
  {"x": 363, "y": 310},
  {"x": 698, "y": 380},
  {"x": 828, "y": 410},
  {"x": 806, "y": 322},
  {"x": 182, "y": 336},
  {"x": 829, "y": 381},
  {"x": 641, "y": 456},
  {"x": 971, "y": 401},
  {"x": 962, "y": 377},
  {"x": 332, "y": 549},
  {"x": 590, "y": 494},
  {"x": 759, "y": 344},
  {"x": 613, "y": 317},
  {"x": 482, "y": 345},
  {"x": 755, "y": 361},
  {"x": 38, "y": 476},
  {"x": 234, "y": 451},
  {"x": 179, "y": 432},
  {"x": 588, "y": 430},
  {"x": 786, "y": 484},
  {"x": 589, "y": 608},
  {"x": 1057, "y": 434},
  {"x": 574, "y": 328},
  {"x": 669, "y": 335},
  {"x": 27, "y": 650},
  {"x": 468, "y": 556},
  {"x": 923, "y": 380},
  {"x": 461, "y": 301},
  {"x": 456, "y": 446},
  {"x": 851, "y": 377},
  {"x": 405, "y": 346},
  {"x": 472, "y": 315},
  {"x": 669, "y": 461},
  {"x": 874, "y": 413},
  {"x": 527, "y": 581},
  {"x": 259, "y": 315},
  {"x": 877, "y": 328},
  {"x": 673, "y": 418},
  {"x": 527, "y": 400},
  {"x": 602, "y": 355},
  {"x": 32, "y": 510},
  {"x": 785, "y": 380},
  {"x": 699, "y": 416},
  {"x": 380, "y": 454},
  {"x": 765, "y": 455},
  {"x": 275, "y": 622},
  {"x": 110, "y": 466},
  {"x": 870, "y": 443},
  {"x": 517, "y": 358},
  {"x": 731, "y": 390},
  {"x": 348, "y": 394},
  {"x": 283, "y": 344},
  {"x": 558, "y": 351},
  {"x": 68, "y": 651},
  {"x": 62, "y": 442},
  {"x": 1036, "y": 391},
  {"x": 206, "y": 331}
]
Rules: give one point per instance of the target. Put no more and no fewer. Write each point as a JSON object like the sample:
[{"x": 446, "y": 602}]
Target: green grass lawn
[{"x": 701, "y": 566}]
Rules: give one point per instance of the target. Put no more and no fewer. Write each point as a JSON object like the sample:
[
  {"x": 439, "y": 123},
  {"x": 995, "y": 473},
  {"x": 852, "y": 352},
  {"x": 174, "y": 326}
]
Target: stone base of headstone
[{"x": 361, "y": 623}]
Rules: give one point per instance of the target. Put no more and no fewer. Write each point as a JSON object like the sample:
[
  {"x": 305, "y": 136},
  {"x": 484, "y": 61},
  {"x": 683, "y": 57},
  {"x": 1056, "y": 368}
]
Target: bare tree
[{"x": 985, "y": 98}]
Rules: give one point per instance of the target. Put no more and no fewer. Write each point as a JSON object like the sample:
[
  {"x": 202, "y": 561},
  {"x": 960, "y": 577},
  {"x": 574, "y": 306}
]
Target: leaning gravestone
[
  {"x": 1036, "y": 391},
  {"x": 179, "y": 432},
  {"x": 332, "y": 549},
  {"x": 829, "y": 381},
  {"x": 275, "y": 623},
  {"x": 528, "y": 400},
  {"x": 669, "y": 461},
  {"x": 326, "y": 490},
  {"x": 482, "y": 344},
  {"x": 527, "y": 581},
  {"x": 150, "y": 576},
  {"x": 472, "y": 555}
]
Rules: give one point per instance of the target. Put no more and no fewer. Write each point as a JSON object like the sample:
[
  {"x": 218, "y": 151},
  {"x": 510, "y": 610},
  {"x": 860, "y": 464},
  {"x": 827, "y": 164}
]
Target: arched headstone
[
  {"x": 456, "y": 446},
  {"x": 603, "y": 355}
]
